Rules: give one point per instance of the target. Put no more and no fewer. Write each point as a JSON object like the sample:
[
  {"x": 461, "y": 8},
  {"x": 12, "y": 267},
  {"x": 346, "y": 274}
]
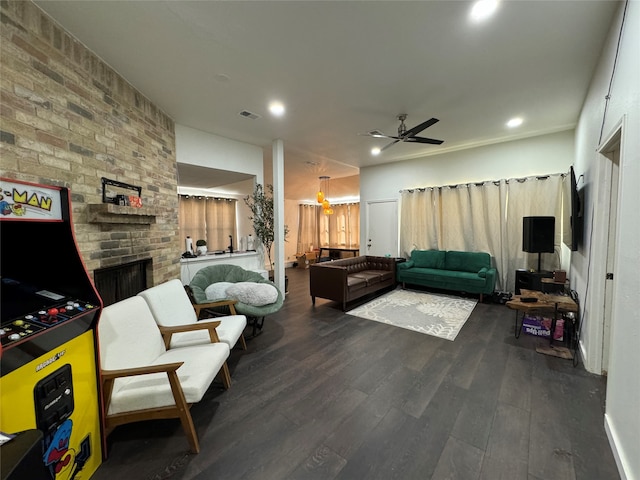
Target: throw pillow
[
  {"x": 217, "y": 291},
  {"x": 252, "y": 293},
  {"x": 428, "y": 258}
]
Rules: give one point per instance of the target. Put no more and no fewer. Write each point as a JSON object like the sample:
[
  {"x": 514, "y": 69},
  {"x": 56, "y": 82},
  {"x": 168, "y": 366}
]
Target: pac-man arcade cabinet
[{"x": 49, "y": 313}]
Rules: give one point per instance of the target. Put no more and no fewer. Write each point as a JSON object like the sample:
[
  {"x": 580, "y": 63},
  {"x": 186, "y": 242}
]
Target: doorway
[
  {"x": 611, "y": 151},
  {"x": 382, "y": 228}
]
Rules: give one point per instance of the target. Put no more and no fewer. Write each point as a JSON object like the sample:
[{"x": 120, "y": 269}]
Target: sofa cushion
[
  {"x": 433, "y": 277},
  {"x": 355, "y": 283},
  {"x": 371, "y": 277},
  {"x": 466, "y": 261},
  {"x": 428, "y": 258}
]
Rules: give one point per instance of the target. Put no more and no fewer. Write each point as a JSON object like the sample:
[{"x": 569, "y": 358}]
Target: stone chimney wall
[{"x": 68, "y": 119}]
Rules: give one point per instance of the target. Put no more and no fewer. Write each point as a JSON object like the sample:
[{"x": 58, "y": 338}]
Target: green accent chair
[{"x": 234, "y": 274}]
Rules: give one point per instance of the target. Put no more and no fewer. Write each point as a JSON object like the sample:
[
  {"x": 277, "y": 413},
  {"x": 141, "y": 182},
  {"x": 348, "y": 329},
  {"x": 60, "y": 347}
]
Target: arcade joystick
[{"x": 53, "y": 312}]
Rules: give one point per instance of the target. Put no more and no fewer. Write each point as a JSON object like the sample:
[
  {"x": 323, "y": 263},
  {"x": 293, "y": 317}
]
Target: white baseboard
[{"x": 613, "y": 442}]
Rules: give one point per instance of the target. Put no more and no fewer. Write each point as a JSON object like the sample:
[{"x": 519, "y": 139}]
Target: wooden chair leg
[
  {"x": 184, "y": 413},
  {"x": 225, "y": 376},
  {"x": 243, "y": 344}
]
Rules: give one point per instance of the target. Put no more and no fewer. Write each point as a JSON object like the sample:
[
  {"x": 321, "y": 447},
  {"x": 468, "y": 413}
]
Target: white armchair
[
  {"x": 142, "y": 380},
  {"x": 171, "y": 307}
]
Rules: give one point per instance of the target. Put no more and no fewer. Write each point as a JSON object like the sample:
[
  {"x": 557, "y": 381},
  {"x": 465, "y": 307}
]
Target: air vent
[{"x": 248, "y": 114}]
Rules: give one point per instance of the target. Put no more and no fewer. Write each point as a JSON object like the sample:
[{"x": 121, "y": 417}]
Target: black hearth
[{"x": 121, "y": 281}]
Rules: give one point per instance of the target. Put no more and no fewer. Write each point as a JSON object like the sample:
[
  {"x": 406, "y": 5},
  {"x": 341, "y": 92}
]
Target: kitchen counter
[{"x": 246, "y": 260}]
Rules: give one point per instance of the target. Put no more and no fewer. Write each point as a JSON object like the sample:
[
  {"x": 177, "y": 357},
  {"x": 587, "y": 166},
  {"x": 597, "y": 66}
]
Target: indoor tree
[{"x": 260, "y": 202}]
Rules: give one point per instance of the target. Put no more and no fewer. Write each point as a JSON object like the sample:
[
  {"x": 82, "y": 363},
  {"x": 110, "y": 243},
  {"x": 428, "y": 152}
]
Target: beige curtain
[
  {"x": 420, "y": 220},
  {"x": 221, "y": 223},
  {"x": 344, "y": 225},
  {"x": 207, "y": 218},
  {"x": 535, "y": 196},
  {"x": 191, "y": 214},
  {"x": 307, "y": 228},
  {"x": 472, "y": 221},
  {"x": 353, "y": 226}
]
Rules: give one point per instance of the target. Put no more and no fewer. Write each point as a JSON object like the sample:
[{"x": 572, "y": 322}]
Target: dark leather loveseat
[{"x": 347, "y": 279}]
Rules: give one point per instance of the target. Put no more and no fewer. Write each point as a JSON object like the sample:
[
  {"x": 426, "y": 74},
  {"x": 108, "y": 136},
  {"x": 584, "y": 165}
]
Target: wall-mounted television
[{"x": 573, "y": 214}]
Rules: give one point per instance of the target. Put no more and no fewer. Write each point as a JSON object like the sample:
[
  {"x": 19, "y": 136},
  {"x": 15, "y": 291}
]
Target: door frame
[
  {"x": 592, "y": 351},
  {"x": 365, "y": 238}
]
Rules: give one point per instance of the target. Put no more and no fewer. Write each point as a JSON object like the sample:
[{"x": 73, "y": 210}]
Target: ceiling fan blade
[
  {"x": 389, "y": 145},
  {"x": 375, "y": 134},
  {"x": 418, "y": 128},
  {"x": 432, "y": 141}
]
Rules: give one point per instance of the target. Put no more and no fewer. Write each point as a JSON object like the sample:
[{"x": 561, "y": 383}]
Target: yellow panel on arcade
[{"x": 48, "y": 361}]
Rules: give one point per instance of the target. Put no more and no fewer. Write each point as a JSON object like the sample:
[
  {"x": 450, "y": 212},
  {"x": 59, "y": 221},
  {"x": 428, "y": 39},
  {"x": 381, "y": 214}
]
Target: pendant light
[{"x": 323, "y": 193}]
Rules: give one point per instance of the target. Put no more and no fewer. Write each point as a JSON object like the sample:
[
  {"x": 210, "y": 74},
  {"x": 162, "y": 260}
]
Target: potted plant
[
  {"x": 201, "y": 247},
  {"x": 260, "y": 202}
]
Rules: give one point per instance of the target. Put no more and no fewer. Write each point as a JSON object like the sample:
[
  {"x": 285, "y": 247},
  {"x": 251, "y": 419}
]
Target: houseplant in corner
[
  {"x": 260, "y": 202},
  {"x": 201, "y": 247}
]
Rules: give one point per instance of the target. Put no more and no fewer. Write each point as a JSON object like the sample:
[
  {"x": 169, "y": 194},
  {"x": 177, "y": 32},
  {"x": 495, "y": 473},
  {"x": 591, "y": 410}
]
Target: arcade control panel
[{"x": 43, "y": 309}]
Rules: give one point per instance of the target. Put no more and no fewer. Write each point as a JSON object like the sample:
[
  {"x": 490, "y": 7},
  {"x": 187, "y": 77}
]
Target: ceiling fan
[{"x": 405, "y": 135}]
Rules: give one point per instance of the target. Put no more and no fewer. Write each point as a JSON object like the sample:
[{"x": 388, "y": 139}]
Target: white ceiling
[{"x": 343, "y": 68}]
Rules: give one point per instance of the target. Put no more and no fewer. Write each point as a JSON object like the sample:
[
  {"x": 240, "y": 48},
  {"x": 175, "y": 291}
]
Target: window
[
  {"x": 207, "y": 218},
  {"x": 315, "y": 229}
]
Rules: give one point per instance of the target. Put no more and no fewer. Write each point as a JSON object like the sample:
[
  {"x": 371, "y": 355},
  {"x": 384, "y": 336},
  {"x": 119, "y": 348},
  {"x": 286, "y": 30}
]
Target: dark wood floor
[{"x": 324, "y": 395}]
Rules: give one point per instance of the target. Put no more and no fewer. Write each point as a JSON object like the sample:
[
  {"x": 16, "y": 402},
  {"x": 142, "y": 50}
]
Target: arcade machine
[{"x": 49, "y": 312}]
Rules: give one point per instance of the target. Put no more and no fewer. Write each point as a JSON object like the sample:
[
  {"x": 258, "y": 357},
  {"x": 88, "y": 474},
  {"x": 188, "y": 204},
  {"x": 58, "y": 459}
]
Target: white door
[
  {"x": 614, "y": 156},
  {"x": 382, "y": 228}
]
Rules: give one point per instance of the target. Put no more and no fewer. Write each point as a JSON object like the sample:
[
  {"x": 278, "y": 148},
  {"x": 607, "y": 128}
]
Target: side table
[
  {"x": 549, "y": 285},
  {"x": 545, "y": 303}
]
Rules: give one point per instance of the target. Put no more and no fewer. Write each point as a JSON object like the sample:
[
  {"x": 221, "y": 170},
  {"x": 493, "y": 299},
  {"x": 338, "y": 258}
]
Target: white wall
[
  {"x": 622, "y": 416},
  {"x": 545, "y": 154},
  {"x": 204, "y": 149}
]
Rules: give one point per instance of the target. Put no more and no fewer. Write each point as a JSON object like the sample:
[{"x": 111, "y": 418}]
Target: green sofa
[{"x": 469, "y": 272}]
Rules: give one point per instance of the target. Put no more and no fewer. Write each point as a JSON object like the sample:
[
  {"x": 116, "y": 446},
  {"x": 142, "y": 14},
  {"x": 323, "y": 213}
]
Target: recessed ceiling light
[
  {"x": 276, "y": 108},
  {"x": 514, "y": 122},
  {"x": 483, "y": 9},
  {"x": 375, "y": 151}
]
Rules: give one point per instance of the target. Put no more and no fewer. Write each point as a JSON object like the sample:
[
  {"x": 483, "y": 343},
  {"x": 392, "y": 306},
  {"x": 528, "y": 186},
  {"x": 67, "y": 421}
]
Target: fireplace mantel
[{"x": 111, "y": 213}]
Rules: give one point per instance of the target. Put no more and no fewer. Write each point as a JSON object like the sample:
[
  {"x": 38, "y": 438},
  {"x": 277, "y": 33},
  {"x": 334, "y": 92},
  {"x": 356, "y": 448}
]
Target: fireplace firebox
[{"x": 121, "y": 281}]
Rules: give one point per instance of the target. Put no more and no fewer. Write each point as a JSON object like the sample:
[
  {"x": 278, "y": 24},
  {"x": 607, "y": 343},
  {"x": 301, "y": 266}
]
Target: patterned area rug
[{"x": 434, "y": 314}]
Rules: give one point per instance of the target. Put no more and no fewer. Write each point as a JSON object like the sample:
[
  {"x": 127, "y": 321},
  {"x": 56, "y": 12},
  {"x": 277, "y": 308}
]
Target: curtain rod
[
  {"x": 479, "y": 184},
  {"x": 206, "y": 197}
]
